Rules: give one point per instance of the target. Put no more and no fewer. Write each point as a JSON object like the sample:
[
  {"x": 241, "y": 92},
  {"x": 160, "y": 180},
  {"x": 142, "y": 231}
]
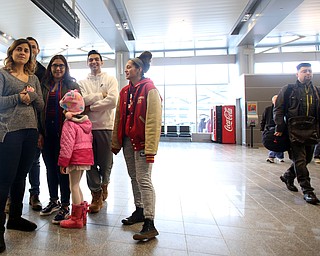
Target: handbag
[
  {"x": 275, "y": 143},
  {"x": 303, "y": 130}
]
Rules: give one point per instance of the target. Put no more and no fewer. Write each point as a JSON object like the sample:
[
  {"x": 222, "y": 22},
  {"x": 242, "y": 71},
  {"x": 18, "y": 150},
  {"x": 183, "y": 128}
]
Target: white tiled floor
[{"x": 212, "y": 199}]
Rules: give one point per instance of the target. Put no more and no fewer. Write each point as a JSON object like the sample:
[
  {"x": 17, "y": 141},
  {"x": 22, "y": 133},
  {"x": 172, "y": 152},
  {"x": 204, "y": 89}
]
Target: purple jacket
[{"x": 76, "y": 142}]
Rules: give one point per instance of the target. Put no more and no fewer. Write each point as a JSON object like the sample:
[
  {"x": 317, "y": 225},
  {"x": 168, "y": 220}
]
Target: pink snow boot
[
  {"x": 76, "y": 220},
  {"x": 85, "y": 206}
]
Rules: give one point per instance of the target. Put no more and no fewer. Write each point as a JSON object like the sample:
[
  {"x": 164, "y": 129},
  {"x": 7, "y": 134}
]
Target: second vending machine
[{"x": 224, "y": 124}]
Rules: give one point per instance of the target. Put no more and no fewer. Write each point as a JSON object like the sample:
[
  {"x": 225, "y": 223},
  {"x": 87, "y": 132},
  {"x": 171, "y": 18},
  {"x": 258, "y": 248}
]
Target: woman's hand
[
  {"x": 24, "y": 97},
  {"x": 40, "y": 141}
]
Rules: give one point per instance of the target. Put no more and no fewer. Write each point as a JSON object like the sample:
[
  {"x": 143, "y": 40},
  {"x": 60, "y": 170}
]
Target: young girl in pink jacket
[{"x": 76, "y": 154}]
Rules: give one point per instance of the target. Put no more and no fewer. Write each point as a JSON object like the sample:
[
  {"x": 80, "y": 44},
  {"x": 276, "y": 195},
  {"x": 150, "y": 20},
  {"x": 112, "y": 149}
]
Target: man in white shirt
[{"x": 100, "y": 92}]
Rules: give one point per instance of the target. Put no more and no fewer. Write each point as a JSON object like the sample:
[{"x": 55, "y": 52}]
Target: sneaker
[
  {"x": 317, "y": 160},
  {"x": 50, "y": 208},
  {"x": 311, "y": 198},
  {"x": 270, "y": 160},
  {"x": 281, "y": 160},
  {"x": 35, "y": 202},
  {"x": 289, "y": 183},
  {"x": 136, "y": 216},
  {"x": 63, "y": 214}
]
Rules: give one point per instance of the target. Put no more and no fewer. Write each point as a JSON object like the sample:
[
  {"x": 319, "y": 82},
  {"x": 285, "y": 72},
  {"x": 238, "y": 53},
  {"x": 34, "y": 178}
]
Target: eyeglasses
[{"x": 55, "y": 66}]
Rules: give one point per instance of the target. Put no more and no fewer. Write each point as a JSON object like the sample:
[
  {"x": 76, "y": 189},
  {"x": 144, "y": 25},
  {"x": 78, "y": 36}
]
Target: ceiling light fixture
[
  {"x": 246, "y": 17},
  {"x": 118, "y": 26},
  {"x": 125, "y": 25},
  {"x": 6, "y": 36}
]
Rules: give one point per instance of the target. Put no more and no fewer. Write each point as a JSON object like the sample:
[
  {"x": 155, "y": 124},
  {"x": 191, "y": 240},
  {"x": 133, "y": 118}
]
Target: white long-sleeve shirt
[{"x": 102, "y": 109}]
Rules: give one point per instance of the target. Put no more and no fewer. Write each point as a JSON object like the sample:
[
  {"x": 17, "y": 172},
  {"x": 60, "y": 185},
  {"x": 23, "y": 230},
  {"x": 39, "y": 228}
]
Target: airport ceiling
[{"x": 164, "y": 25}]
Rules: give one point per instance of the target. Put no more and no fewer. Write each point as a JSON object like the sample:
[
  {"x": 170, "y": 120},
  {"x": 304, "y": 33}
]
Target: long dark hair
[
  {"x": 9, "y": 63},
  {"x": 48, "y": 77}
]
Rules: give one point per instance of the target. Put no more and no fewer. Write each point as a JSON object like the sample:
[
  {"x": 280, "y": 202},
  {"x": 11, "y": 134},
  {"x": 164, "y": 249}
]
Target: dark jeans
[
  {"x": 301, "y": 155},
  {"x": 50, "y": 154},
  {"x": 317, "y": 151},
  {"x": 34, "y": 174},
  {"x": 17, "y": 153},
  {"x": 273, "y": 154}
]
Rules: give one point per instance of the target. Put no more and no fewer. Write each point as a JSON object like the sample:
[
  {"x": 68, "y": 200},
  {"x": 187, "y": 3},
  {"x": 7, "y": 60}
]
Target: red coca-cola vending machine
[{"x": 223, "y": 124}]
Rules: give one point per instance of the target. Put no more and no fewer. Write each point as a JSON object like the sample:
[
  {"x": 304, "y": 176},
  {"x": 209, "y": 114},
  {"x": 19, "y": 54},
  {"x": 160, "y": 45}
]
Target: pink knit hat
[{"x": 73, "y": 103}]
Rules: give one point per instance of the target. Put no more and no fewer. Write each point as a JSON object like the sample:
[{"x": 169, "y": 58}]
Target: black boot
[
  {"x": 2, "y": 244},
  {"x": 148, "y": 231},
  {"x": 137, "y": 216},
  {"x": 2, "y": 222},
  {"x": 21, "y": 224}
]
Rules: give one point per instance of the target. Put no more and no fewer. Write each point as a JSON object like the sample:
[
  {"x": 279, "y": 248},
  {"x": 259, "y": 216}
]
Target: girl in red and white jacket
[
  {"x": 137, "y": 129},
  {"x": 76, "y": 154}
]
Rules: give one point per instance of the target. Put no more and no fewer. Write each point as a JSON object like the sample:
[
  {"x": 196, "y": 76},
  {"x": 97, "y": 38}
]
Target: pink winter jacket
[{"x": 76, "y": 142}]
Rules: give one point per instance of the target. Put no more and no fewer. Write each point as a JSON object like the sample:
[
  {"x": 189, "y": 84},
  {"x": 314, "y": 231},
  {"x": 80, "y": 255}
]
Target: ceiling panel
[
  {"x": 182, "y": 20},
  {"x": 157, "y": 25}
]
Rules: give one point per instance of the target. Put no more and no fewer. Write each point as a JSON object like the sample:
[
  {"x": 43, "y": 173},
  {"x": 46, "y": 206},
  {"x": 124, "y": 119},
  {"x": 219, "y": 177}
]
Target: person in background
[
  {"x": 303, "y": 100},
  {"x": 100, "y": 93},
  {"x": 56, "y": 83},
  {"x": 316, "y": 154},
  {"x": 76, "y": 154},
  {"x": 137, "y": 129},
  {"x": 266, "y": 122},
  {"x": 34, "y": 173},
  {"x": 20, "y": 101}
]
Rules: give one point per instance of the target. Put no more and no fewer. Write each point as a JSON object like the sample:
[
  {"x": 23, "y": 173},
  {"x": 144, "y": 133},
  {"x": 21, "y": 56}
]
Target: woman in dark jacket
[{"x": 56, "y": 83}]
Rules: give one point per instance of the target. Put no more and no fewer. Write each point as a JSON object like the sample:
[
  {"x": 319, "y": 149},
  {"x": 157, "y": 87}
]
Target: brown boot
[
  {"x": 97, "y": 202},
  {"x": 104, "y": 191}
]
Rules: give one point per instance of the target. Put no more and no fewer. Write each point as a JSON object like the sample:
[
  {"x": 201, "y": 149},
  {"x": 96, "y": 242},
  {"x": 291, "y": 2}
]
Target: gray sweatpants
[{"x": 140, "y": 173}]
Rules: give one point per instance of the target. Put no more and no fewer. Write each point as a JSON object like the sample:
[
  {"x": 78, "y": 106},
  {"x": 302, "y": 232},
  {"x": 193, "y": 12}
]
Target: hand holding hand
[{"x": 63, "y": 170}]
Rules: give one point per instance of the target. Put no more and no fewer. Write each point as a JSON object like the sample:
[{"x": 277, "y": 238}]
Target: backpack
[{"x": 277, "y": 143}]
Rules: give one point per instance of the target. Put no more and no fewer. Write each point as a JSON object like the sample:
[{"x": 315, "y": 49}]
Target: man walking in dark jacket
[
  {"x": 300, "y": 99},
  {"x": 266, "y": 123}
]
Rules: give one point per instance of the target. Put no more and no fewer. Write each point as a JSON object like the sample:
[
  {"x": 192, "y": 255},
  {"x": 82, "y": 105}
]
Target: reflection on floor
[{"x": 212, "y": 199}]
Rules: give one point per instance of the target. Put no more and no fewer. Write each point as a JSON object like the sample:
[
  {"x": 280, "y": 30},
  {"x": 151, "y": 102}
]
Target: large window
[{"x": 190, "y": 91}]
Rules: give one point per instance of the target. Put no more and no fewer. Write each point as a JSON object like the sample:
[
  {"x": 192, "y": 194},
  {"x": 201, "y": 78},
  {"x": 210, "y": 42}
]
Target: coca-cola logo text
[{"x": 228, "y": 117}]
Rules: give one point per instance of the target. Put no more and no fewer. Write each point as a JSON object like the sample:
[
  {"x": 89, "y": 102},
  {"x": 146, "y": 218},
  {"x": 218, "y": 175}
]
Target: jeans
[
  {"x": 316, "y": 153},
  {"x": 103, "y": 160},
  {"x": 17, "y": 153},
  {"x": 273, "y": 154},
  {"x": 34, "y": 175},
  {"x": 140, "y": 173},
  {"x": 50, "y": 154},
  {"x": 301, "y": 155}
]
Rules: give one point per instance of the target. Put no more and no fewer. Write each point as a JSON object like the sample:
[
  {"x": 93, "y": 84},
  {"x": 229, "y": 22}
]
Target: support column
[
  {"x": 121, "y": 60},
  {"x": 245, "y": 59}
]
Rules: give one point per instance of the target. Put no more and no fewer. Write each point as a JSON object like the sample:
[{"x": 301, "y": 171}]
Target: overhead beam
[
  {"x": 267, "y": 15},
  {"x": 101, "y": 14}
]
